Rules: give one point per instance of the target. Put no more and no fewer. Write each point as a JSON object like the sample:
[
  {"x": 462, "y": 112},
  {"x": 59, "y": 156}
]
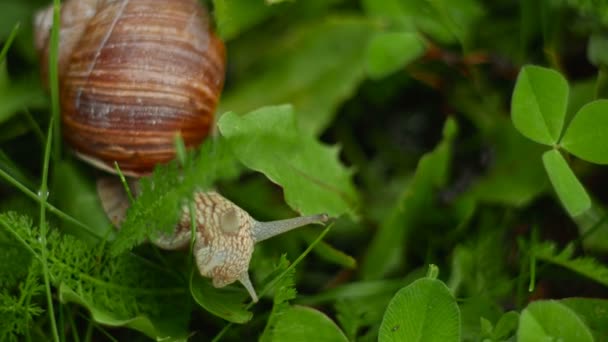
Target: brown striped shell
[{"x": 133, "y": 74}]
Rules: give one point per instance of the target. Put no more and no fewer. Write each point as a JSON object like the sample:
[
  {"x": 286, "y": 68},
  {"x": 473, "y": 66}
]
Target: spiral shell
[{"x": 133, "y": 74}]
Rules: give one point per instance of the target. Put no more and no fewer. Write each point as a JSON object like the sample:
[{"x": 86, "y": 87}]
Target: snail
[{"x": 132, "y": 74}]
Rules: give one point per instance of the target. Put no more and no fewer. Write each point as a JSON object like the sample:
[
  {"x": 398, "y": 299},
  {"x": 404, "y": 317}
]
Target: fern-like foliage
[
  {"x": 17, "y": 307},
  {"x": 586, "y": 266},
  {"x": 19, "y": 282},
  {"x": 284, "y": 292},
  {"x": 157, "y": 208},
  {"x": 119, "y": 289}
]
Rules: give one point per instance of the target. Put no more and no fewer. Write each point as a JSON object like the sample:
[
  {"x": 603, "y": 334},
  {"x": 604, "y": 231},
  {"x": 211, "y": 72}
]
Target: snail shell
[{"x": 133, "y": 74}]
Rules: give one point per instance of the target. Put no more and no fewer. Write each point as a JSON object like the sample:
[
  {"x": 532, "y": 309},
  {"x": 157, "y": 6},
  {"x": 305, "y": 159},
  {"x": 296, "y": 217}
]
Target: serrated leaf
[
  {"x": 422, "y": 311},
  {"x": 303, "y": 324},
  {"x": 586, "y": 266},
  {"x": 391, "y": 51},
  {"x": 549, "y": 321},
  {"x": 268, "y": 140},
  {"x": 315, "y": 67},
  {"x": 538, "y": 107},
  {"x": 225, "y": 303},
  {"x": 157, "y": 207},
  {"x": 587, "y": 135},
  {"x": 387, "y": 248},
  {"x": 569, "y": 189}
]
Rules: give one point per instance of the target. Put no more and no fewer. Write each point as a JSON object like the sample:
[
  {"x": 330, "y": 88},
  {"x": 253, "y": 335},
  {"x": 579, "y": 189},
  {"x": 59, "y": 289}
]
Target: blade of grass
[
  {"x": 269, "y": 286},
  {"x": 9, "y": 42},
  {"x": 54, "y": 79},
  {"x": 35, "y": 127},
  {"x": 54, "y": 123}
]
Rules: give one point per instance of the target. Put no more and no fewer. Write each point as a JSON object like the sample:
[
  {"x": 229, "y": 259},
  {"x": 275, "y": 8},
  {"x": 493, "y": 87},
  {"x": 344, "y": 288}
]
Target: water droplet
[{"x": 42, "y": 195}]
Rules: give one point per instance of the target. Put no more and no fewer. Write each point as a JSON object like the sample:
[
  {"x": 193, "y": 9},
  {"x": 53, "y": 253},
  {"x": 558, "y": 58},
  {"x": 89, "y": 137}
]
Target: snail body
[
  {"x": 225, "y": 234},
  {"x": 132, "y": 75}
]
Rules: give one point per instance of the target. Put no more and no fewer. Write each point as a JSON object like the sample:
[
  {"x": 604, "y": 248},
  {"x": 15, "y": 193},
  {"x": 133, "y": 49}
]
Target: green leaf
[
  {"x": 235, "y": 16},
  {"x": 538, "y": 107},
  {"x": 315, "y": 66},
  {"x": 226, "y": 303},
  {"x": 20, "y": 94},
  {"x": 551, "y": 321},
  {"x": 594, "y": 312},
  {"x": 506, "y": 326},
  {"x": 444, "y": 21},
  {"x": 570, "y": 191},
  {"x": 140, "y": 323},
  {"x": 391, "y": 51},
  {"x": 80, "y": 202},
  {"x": 422, "y": 311},
  {"x": 388, "y": 246},
  {"x": 302, "y": 324},
  {"x": 587, "y": 134},
  {"x": 586, "y": 266},
  {"x": 597, "y": 50},
  {"x": 268, "y": 140}
]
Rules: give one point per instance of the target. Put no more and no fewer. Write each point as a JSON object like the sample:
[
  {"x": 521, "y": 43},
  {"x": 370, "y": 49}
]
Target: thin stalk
[
  {"x": 35, "y": 127},
  {"x": 9, "y": 42},
  {"x": 43, "y": 195},
  {"x": 43, "y": 192}
]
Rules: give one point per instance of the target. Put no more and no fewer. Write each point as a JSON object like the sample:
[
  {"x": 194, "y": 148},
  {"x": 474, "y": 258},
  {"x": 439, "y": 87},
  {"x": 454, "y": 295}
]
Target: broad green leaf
[
  {"x": 515, "y": 176},
  {"x": 140, "y": 323},
  {"x": 586, "y": 266},
  {"x": 444, "y": 21},
  {"x": 19, "y": 95},
  {"x": 12, "y": 13},
  {"x": 268, "y": 140},
  {"x": 506, "y": 326},
  {"x": 472, "y": 309},
  {"x": 235, "y": 16},
  {"x": 225, "y": 302},
  {"x": 314, "y": 66},
  {"x": 460, "y": 17},
  {"x": 569, "y": 189},
  {"x": 538, "y": 107},
  {"x": 587, "y": 135},
  {"x": 75, "y": 193},
  {"x": 422, "y": 311},
  {"x": 551, "y": 321},
  {"x": 391, "y": 51},
  {"x": 597, "y": 50},
  {"x": 387, "y": 249},
  {"x": 330, "y": 254},
  {"x": 303, "y": 324},
  {"x": 594, "y": 312},
  {"x": 593, "y": 226}
]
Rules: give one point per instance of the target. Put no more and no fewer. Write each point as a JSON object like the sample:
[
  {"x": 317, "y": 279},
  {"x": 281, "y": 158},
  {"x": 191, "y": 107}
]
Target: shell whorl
[{"x": 137, "y": 73}]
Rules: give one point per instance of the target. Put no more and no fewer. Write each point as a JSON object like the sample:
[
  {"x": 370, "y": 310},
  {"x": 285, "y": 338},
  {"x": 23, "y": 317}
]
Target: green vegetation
[{"x": 459, "y": 147}]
